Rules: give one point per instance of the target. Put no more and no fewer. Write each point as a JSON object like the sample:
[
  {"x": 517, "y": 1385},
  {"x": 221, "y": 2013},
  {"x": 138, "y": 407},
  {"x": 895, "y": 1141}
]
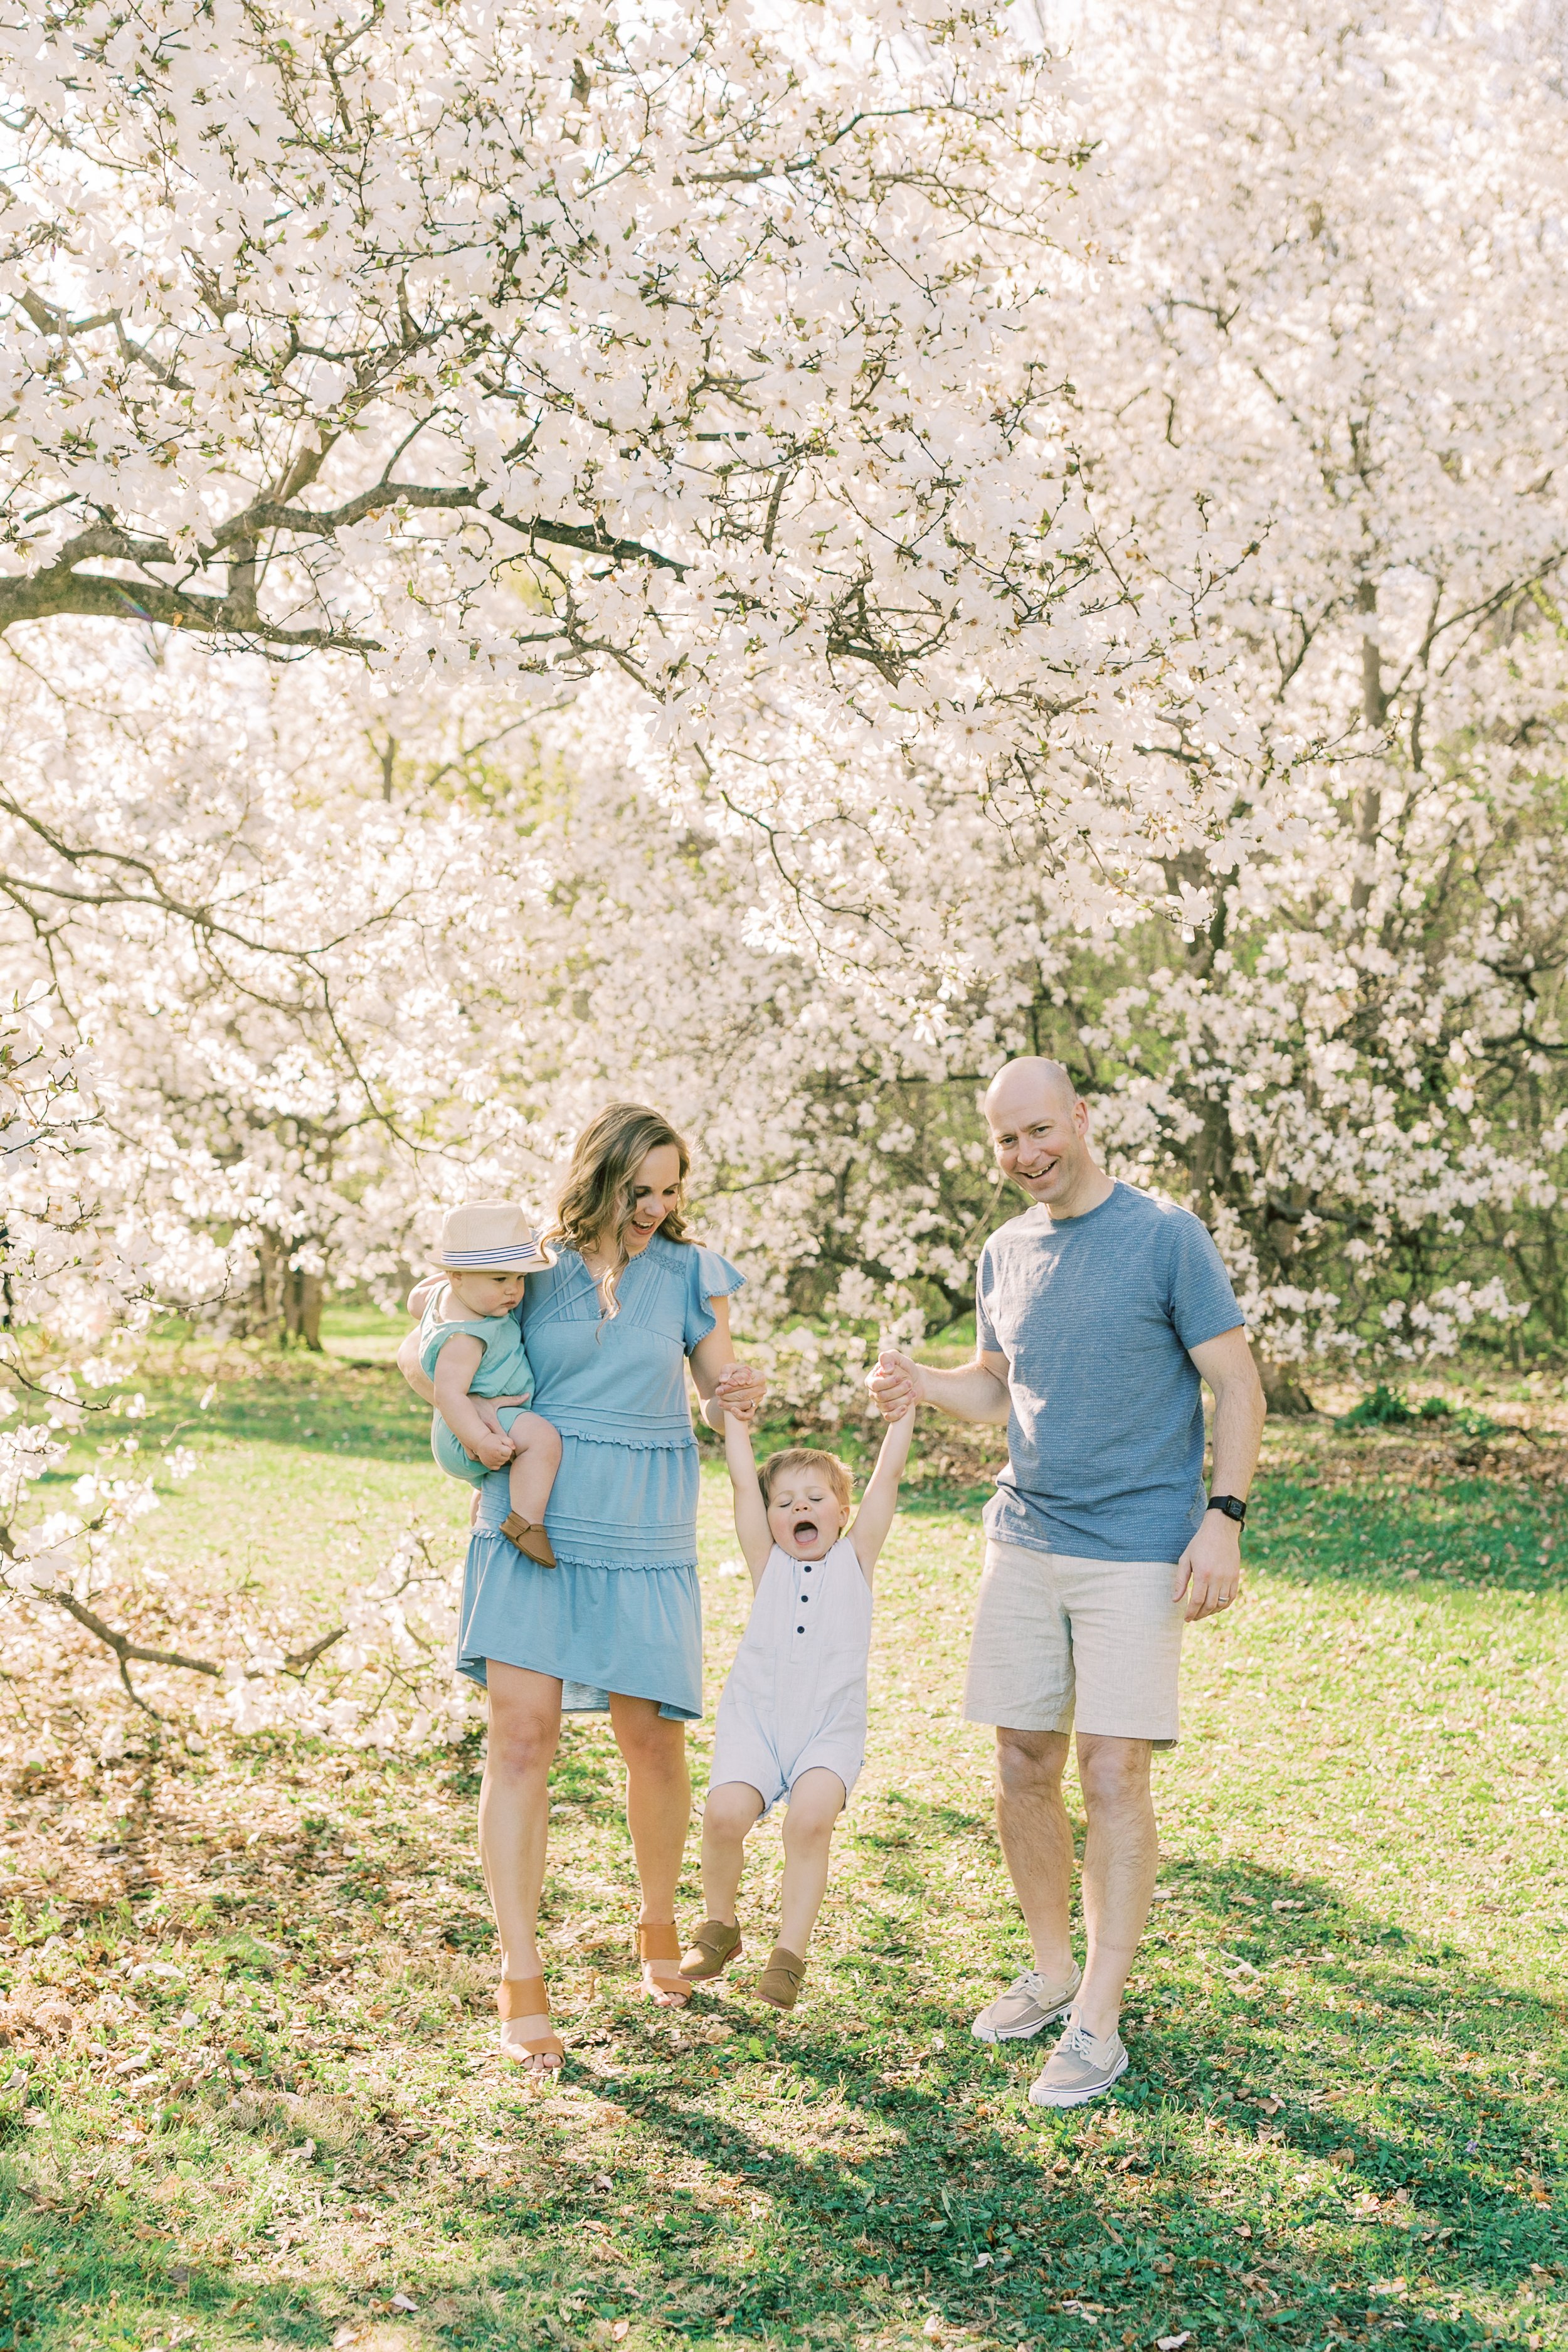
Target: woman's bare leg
[
  {"x": 816, "y": 1803},
  {"x": 658, "y": 1814},
  {"x": 514, "y": 1815},
  {"x": 732, "y": 1810}
]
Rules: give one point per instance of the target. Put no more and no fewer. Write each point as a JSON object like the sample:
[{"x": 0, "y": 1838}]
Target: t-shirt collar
[{"x": 1071, "y": 1225}]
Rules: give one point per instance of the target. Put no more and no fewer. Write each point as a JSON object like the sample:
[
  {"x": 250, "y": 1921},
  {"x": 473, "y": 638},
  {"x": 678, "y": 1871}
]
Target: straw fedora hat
[{"x": 491, "y": 1237}]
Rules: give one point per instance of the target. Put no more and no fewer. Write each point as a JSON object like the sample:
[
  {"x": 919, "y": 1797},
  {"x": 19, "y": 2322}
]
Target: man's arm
[
  {"x": 978, "y": 1391},
  {"x": 1209, "y": 1571}
]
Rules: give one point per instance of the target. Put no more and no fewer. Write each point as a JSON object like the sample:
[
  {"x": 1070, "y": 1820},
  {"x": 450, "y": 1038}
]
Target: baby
[
  {"x": 469, "y": 1346},
  {"x": 791, "y": 1720}
]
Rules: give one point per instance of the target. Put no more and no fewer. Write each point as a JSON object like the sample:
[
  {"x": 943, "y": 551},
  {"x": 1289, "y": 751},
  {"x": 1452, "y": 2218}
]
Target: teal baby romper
[
  {"x": 504, "y": 1371},
  {"x": 621, "y": 1611}
]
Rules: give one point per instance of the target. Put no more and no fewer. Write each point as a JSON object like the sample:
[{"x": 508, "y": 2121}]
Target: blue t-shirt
[{"x": 1105, "y": 1431}]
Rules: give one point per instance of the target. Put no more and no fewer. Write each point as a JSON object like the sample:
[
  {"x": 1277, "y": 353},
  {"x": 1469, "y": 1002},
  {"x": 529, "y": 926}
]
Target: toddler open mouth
[{"x": 805, "y": 1531}]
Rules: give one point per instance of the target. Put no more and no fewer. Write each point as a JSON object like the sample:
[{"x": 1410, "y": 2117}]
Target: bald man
[{"x": 1097, "y": 1313}]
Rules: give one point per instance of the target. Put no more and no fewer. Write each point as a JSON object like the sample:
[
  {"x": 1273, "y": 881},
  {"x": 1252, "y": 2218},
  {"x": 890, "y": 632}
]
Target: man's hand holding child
[{"x": 896, "y": 1384}]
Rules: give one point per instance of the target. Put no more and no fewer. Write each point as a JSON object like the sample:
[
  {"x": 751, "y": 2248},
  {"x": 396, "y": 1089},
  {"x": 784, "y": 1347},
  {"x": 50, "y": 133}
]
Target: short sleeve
[
  {"x": 709, "y": 1277},
  {"x": 435, "y": 1336},
  {"x": 1203, "y": 1303},
  {"x": 986, "y": 1340}
]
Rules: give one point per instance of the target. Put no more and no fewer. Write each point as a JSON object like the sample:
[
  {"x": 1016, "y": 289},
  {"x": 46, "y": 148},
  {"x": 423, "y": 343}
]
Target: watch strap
[{"x": 1231, "y": 1505}]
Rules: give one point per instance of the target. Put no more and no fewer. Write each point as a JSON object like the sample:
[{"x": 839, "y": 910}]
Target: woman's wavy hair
[{"x": 596, "y": 1203}]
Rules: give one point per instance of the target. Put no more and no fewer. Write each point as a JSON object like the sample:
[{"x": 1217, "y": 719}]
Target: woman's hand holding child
[{"x": 739, "y": 1390}]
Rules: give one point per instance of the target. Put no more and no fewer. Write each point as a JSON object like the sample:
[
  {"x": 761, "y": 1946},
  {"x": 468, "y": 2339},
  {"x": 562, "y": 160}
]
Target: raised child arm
[
  {"x": 880, "y": 1500},
  {"x": 459, "y": 1360},
  {"x": 750, "y": 1511}
]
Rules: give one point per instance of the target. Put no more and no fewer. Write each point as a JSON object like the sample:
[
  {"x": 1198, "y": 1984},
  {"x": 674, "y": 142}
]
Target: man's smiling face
[{"x": 1039, "y": 1131}]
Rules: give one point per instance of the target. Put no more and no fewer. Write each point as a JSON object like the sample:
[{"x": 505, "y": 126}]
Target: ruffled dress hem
[{"x": 595, "y": 1630}]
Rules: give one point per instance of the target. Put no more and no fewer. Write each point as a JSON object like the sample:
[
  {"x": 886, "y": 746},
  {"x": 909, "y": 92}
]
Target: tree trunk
[
  {"x": 301, "y": 1309},
  {"x": 1282, "y": 1391},
  {"x": 1374, "y": 710},
  {"x": 272, "y": 1282}
]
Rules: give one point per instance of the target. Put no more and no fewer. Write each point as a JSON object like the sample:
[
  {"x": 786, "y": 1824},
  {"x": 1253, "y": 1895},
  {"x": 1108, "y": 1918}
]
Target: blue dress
[{"x": 621, "y": 1611}]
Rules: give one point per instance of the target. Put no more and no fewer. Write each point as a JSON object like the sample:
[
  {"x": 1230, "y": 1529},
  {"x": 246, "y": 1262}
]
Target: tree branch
[
  {"x": 59, "y": 588},
  {"x": 298, "y": 1662}
]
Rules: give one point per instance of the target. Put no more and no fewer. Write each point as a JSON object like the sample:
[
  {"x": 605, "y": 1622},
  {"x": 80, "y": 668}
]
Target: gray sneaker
[
  {"x": 1081, "y": 2067},
  {"x": 1026, "y": 2008}
]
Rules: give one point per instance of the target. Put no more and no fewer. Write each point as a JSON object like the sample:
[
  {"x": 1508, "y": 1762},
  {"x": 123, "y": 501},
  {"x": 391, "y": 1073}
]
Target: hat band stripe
[{"x": 511, "y": 1254}]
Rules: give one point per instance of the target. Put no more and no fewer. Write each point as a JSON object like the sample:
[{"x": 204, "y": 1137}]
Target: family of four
[{"x": 557, "y": 1366}]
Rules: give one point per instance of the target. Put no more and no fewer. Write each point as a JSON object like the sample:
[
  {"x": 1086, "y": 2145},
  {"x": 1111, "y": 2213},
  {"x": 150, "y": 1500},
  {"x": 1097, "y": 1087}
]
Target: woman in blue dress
[{"x": 616, "y": 1624}]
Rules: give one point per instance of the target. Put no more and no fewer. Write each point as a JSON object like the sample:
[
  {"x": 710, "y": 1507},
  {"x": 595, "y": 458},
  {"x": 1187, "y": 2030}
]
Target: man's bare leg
[
  {"x": 1121, "y": 1858},
  {"x": 1036, "y": 1841}
]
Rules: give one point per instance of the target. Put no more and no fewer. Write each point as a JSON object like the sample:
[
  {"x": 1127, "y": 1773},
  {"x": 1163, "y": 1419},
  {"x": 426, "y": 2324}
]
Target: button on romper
[{"x": 795, "y": 1698}]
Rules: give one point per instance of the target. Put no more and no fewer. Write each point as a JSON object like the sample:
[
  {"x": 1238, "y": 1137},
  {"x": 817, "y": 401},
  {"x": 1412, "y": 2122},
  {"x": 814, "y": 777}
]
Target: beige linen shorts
[{"x": 1057, "y": 1638}]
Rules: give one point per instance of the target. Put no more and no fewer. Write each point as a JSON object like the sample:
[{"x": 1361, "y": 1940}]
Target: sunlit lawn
[{"x": 250, "y": 2099}]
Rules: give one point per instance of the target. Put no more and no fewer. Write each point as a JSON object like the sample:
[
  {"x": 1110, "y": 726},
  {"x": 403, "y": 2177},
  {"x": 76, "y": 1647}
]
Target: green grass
[
  {"x": 310, "y": 1466},
  {"x": 1345, "y": 2121}
]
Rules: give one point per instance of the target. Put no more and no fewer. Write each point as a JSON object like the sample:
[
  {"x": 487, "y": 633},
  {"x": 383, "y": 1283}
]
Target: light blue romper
[
  {"x": 504, "y": 1371},
  {"x": 622, "y": 1612},
  {"x": 795, "y": 1698}
]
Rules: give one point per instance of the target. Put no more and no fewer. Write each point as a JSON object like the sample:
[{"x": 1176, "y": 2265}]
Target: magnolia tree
[
  {"x": 70, "y": 1574},
  {"x": 1123, "y": 627},
  {"x": 488, "y": 924},
  {"x": 1338, "y": 249},
  {"x": 722, "y": 352},
  {"x": 1332, "y": 321}
]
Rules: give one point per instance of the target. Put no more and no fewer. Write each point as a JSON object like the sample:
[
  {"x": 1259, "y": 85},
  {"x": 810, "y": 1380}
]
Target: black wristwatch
[{"x": 1232, "y": 1506}]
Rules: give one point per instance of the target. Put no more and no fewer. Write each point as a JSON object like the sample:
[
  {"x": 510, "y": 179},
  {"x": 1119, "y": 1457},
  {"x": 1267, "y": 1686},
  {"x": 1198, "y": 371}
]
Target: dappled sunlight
[{"x": 253, "y": 2097}]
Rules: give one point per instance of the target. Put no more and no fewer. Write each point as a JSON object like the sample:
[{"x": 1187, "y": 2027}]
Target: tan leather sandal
[
  {"x": 530, "y": 1538},
  {"x": 527, "y": 1997},
  {"x": 661, "y": 1943},
  {"x": 712, "y": 1947},
  {"x": 781, "y": 1980}
]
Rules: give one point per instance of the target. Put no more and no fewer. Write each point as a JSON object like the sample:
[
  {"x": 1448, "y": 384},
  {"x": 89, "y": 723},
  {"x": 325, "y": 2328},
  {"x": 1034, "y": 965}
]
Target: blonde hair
[
  {"x": 808, "y": 1457},
  {"x": 595, "y": 1203}
]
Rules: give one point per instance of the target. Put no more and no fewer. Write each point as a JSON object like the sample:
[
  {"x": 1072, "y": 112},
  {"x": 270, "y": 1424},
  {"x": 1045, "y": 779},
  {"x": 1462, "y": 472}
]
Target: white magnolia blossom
[
  {"x": 724, "y": 351},
  {"x": 72, "y": 1592},
  {"x": 874, "y": 545}
]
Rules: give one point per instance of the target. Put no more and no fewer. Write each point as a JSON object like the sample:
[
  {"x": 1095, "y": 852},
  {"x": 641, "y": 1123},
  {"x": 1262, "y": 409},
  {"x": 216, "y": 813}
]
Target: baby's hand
[
  {"x": 498, "y": 1452},
  {"x": 494, "y": 1448}
]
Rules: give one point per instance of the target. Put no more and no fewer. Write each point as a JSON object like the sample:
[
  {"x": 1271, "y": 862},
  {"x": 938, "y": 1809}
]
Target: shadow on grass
[
  {"x": 1329, "y": 2127},
  {"x": 1464, "y": 1531},
  {"x": 64, "y": 2258},
  {"x": 1318, "y": 2104},
  {"x": 311, "y": 1404}
]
